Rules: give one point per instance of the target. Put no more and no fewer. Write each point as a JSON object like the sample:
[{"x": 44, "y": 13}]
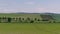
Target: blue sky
[{"x": 31, "y": 6}]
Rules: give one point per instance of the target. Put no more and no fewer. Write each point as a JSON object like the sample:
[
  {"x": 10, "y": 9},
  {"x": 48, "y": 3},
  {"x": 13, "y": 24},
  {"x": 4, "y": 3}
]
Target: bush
[
  {"x": 38, "y": 19},
  {"x": 31, "y": 21}
]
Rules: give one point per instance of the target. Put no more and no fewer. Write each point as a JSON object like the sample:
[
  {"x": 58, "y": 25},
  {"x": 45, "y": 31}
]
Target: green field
[
  {"x": 27, "y": 28},
  {"x": 10, "y": 28},
  {"x": 20, "y": 15}
]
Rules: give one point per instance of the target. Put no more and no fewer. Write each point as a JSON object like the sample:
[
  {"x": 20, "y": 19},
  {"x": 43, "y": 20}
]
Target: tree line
[
  {"x": 16, "y": 19},
  {"x": 24, "y": 20}
]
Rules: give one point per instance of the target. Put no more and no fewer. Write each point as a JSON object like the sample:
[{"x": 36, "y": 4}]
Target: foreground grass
[{"x": 6, "y": 28}]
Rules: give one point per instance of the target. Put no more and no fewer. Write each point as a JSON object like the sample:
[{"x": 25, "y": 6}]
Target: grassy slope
[
  {"x": 55, "y": 16},
  {"x": 18, "y": 15},
  {"x": 32, "y": 16},
  {"x": 29, "y": 28}
]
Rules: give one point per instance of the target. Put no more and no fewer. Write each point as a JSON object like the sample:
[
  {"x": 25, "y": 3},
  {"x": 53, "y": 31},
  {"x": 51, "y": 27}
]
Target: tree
[
  {"x": 35, "y": 19},
  {"x": 22, "y": 18},
  {"x": 9, "y": 19},
  {"x": 19, "y": 18},
  {"x": 28, "y": 19},
  {"x": 38, "y": 19},
  {"x": 31, "y": 21},
  {"x": 0, "y": 19}
]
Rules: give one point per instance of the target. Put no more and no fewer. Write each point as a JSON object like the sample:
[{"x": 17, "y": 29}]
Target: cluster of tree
[
  {"x": 16, "y": 19},
  {"x": 25, "y": 20},
  {"x": 46, "y": 17}
]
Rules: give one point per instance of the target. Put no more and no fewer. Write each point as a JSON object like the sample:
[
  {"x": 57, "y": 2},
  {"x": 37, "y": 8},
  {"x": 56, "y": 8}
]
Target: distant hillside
[{"x": 54, "y": 15}]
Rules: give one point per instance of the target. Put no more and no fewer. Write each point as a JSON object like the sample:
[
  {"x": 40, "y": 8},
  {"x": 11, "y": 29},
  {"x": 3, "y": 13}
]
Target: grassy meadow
[
  {"x": 28, "y": 28},
  {"x": 9, "y": 28}
]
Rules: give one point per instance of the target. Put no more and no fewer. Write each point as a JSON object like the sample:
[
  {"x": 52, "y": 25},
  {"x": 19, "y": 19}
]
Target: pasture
[
  {"x": 10, "y": 28},
  {"x": 20, "y": 15},
  {"x": 28, "y": 28}
]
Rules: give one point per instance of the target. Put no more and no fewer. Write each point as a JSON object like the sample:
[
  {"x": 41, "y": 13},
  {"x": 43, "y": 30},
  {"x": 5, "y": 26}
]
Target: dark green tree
[
  {"x": 28, "y": 19},
  {"x": 9, "y": 19},
  {"x": 31, "y": 21},
  {"x": 35, "y": 19}
]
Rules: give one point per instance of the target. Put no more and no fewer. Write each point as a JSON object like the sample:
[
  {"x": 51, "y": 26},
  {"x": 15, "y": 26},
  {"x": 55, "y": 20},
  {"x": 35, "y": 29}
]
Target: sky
[{"x": 29, "y": 6}]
